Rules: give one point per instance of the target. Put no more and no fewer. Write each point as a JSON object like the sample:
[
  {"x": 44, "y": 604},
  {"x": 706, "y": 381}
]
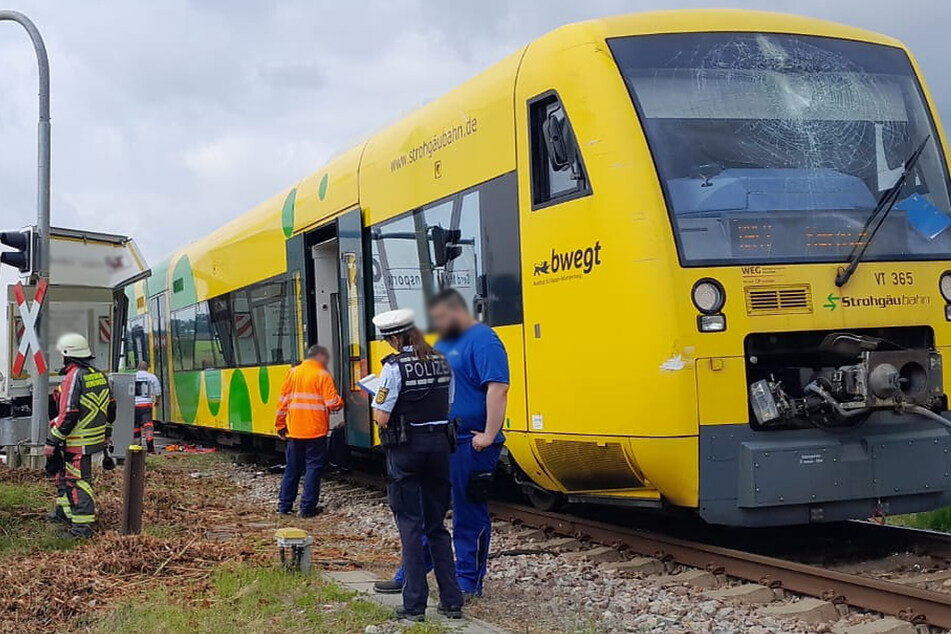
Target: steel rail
[
  {"x": 916, "y": 605},
  {"x": 910, "y": 603},
  {"x": 933, "y": 543}
]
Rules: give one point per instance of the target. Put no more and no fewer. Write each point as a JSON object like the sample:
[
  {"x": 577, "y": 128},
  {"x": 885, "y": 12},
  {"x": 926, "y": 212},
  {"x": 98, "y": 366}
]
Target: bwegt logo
[{"x": 582, "y": 260}]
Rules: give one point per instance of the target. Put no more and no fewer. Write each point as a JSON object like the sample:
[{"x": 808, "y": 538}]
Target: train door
[
  {"x": 568, "y": 297},
  {"x": 160, "y": 354},
  {"x": 337, "y": 316},
  {"x": 326, "y": 310}
]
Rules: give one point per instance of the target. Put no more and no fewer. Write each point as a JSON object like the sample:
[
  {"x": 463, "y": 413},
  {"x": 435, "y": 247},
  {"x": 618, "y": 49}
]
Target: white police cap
[{"x": 394, "y": 322}]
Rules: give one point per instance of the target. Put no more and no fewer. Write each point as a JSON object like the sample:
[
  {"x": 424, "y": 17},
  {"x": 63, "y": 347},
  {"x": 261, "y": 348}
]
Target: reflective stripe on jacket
[
  {"x": 307, "y": 398},
  {"x": 86, "y": 410}
]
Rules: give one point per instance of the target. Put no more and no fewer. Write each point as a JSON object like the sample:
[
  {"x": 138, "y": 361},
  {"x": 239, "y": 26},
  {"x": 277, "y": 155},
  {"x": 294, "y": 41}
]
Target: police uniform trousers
[
  {"x": 74, "y": 488},
  {"x": 419, "y": 494},
  {"x": 471, "y": 523}
]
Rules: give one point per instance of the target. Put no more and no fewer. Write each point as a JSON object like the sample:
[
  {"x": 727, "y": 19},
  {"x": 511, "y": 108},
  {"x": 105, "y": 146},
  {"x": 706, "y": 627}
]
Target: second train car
[{"x": 714, "y": 243}]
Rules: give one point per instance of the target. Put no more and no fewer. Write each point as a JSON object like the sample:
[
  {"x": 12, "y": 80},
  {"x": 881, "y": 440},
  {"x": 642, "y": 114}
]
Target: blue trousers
[
  {"x": 471, "y": 523},
  {"x": 419, "y": 496},
  {"x": 305, "y": 457}
]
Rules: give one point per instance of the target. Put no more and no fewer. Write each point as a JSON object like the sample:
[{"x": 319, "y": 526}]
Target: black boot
[
  {"x": 387, "y": 587},
  {"x": 80, "y": 531},
  {"x": 57, "y": 516},
  {"x": 416, "y": 617},
  {"x": 150, "y": 446},
  {"x": 450, "y": 613}
]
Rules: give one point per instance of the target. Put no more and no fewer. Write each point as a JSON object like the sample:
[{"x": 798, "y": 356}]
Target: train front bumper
[{"x": 892, "y": 463}]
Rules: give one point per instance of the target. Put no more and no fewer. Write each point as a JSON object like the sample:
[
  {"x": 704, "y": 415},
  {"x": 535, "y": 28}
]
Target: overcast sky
[{"x": 172, "y": 117}]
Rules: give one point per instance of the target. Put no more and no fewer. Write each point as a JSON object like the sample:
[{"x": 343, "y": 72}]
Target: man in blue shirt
[
  {"x": 481, "y": 381},
  {"x": 480, "y": 372}
]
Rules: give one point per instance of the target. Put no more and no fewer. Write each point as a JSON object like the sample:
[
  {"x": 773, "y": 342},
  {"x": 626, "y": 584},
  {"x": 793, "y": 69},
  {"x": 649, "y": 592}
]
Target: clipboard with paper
[{"x": 370, "y": 384}]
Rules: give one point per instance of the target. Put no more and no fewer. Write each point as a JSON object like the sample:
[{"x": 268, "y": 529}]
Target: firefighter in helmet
[{"x": 82, "y": 427}]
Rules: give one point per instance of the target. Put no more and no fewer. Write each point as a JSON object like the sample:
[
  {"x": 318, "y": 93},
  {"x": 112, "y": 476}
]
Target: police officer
[
  {"x": 480, "y": 372},
  {"x": 82, "y": 427},
  {"x": 412, "y": 409}
]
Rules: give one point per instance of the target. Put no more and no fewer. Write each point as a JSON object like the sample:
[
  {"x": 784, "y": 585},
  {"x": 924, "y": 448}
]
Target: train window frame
[
  {"x": 218, "y": 317},
  {"x": 261, "y": 299},
  {"x": 178, "y": 358},
  {"x": 131, "y": 356},
  {"x": 539, "y": 163},
  {"x": 498, "y": 281},
  {"x": 224, "y": 317},
  {"x": 219, "y": 314},
  {"x": 453, "y": 209},
  {"x": 203, "y": 313}
]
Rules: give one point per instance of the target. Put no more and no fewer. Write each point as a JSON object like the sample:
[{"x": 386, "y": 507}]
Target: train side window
[
  {"x": 558, "y": 172},
  {"x": 256, "y": 327},
  {"x": 242, "y": 323},
  {"x": 459, "y": 263},
  {"x": 273, "y": 321},
  {"x": 221, "y": 326},
  {"x": 183, "y": 339},
  {"x": 136, "y": 343},
  {"x": 207, "y": 349},
  {"x": 418, "y": 254}
]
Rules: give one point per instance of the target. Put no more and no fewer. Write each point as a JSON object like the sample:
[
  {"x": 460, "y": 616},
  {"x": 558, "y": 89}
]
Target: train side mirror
[
  {"x": 558, "y": 153},
  {"x": 562, "y": 148}
]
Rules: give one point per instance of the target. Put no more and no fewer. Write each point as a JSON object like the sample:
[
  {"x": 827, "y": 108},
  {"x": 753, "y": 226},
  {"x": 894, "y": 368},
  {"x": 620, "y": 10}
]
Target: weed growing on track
[{"x": 939, "y": 520}]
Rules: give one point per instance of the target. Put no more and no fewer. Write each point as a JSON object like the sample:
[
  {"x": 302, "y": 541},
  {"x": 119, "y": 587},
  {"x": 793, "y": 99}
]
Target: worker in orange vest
[{"x": 303, "y": 420}]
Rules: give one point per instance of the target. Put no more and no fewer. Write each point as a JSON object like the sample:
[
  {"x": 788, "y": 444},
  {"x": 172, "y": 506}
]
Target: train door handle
[{"x": 480, "y": 307}]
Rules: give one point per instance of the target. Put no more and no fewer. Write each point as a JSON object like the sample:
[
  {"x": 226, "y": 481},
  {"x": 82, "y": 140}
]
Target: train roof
[{"x": 220, "y": 260}]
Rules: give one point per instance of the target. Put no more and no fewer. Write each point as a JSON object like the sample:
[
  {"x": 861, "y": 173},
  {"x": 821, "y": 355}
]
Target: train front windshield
[{"x": 776, "y": 148}]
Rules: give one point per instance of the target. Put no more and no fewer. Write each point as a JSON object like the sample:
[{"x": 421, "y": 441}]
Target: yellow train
[{"x": 714, "y": 244}]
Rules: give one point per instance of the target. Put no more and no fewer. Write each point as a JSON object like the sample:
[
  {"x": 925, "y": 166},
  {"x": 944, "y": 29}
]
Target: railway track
[
  {"x": 917, "y": 605},
  {"x": 913, "y": 604}
]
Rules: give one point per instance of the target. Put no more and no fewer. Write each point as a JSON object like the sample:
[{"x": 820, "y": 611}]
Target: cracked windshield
[{"x": 776, "y": 148}]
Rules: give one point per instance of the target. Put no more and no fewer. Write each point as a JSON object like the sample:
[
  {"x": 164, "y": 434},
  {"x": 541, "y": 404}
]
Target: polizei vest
[{"x": 424, "y": 394}]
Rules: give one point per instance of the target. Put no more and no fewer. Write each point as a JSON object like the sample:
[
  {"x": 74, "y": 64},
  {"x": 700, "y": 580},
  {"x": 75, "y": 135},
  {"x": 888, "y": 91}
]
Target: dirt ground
[
  {"x": 206, "y": 563},
  {"x": 57, "y": 586},
  {"x": 202, "y": 515}
]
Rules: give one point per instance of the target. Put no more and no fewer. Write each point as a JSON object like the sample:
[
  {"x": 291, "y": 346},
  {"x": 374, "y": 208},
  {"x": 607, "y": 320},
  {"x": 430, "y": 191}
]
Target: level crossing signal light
[{"x": 21, "y": 256}]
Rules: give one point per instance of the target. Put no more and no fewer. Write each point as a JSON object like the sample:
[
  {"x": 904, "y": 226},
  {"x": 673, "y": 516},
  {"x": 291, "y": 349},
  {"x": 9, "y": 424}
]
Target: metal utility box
[
  {"x": 88, "y": 274},
  {"x": 123, "y": 390}
]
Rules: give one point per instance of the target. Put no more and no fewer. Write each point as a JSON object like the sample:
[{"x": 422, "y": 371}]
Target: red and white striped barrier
[
  {"x": 29, "y": 313},
  {"x": 105, "y": 329}
]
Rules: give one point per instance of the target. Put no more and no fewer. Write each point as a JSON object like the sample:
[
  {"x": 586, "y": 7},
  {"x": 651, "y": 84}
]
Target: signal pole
[{"x": 41, "y": 246}]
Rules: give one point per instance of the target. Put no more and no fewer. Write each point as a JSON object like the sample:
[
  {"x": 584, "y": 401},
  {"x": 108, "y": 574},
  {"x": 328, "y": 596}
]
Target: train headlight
[
  {"x": 708, "y": 296},
  {"x": 711, "y": 323},
  {"x": 945, "y": 285}
]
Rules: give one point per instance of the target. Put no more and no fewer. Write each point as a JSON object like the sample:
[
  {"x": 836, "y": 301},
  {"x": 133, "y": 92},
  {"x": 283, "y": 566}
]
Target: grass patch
[
  {"x": 427, "y": 627},
  {"x": 187, "y": 462},
  {"x": 23, "y": 528},
  {"x": 938, "y": 520},
  {"x": 252, "y": 600}
]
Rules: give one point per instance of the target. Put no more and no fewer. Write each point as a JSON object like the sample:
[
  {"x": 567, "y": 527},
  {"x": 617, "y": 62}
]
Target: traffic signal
[
  {"x": 445, "y": 245},
  {"x": 21, "y": 257}
]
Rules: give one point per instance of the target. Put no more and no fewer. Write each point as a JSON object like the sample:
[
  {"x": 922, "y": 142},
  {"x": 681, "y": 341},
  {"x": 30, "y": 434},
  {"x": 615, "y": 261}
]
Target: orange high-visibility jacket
[{"x": 307, "y": 398}]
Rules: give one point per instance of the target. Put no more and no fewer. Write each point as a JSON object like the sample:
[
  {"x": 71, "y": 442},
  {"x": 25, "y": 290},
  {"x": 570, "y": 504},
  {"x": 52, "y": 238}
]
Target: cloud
[{"x": 171, "y": 118}]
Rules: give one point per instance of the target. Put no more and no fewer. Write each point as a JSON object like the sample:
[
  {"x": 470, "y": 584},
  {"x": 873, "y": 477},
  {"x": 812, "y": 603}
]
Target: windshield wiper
[{"x": 879, "y": 214}]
